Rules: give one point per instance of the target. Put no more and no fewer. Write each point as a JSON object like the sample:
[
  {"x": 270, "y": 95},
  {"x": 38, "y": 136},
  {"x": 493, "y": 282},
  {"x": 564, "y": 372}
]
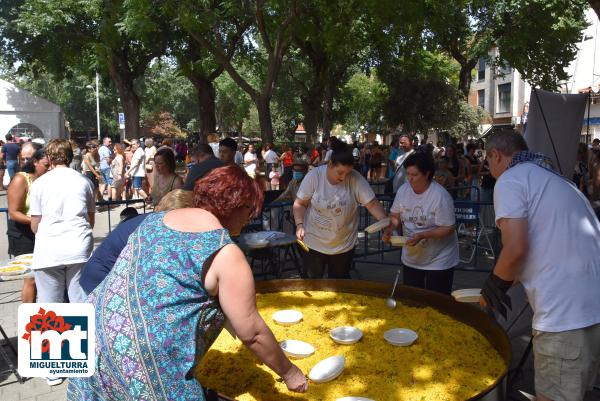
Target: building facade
[{"x": 501, "y": 92}]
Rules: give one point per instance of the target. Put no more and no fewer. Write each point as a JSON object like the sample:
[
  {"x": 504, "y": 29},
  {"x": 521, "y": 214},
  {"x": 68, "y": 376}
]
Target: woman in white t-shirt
[
  {"x": 326, "y": 213},
  {"x": 426, "y": 211}
]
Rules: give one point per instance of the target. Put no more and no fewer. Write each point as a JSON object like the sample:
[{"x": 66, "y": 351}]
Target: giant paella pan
[{"x": 460, "y": 352}]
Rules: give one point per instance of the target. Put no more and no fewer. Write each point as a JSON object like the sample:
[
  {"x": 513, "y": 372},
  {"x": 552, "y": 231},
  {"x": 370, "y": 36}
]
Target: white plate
[
  {"x": 398, "y": 240},
  {"x": 287, "y": 317},
  {"x": 402, "y": 337},
  {"x": 328, "y": 369},
  {"x": 378, "y": 226},
  {"x": 467, "y": 295},
  {"x": 354, "y": 399},
  {"x": 346, "y": 335},
  {"x": 297, "y": 348},
  {"x": 21, "y": 270},
  {"x": 25, "y": 256}
]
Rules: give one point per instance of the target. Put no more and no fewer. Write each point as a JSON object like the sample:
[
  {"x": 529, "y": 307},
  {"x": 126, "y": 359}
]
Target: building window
[
  {"x": 481, "y": 69},
  {"x": 481, "y": 98},
  {"x": 504, "y": 98}
]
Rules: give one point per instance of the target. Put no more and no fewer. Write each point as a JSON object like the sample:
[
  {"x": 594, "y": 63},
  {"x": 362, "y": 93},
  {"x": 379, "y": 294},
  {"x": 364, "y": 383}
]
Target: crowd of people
[{"x": 190, "y": 275}]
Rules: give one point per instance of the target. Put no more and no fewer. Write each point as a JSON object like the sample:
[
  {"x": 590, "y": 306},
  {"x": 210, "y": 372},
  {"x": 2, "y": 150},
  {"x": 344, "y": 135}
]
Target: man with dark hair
[
  {"x": 205, "y": 162},
  {"x": 406, "y": 145},
  {"x": 227, "y": 149},
  {"x": 10, "y": 152},
  {"x": 549, "y": 244}
]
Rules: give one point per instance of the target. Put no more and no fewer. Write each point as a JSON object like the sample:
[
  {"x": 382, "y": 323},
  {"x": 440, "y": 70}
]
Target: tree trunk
[
  {"x": 122, "y": 78},
  {"x": 131, "y": 108},
  {"x": 263, "y": 105},
  {"x": 327, "y": 111},
  {"x": 466, "y": 77},
  {"x": 311, "y": 108},
  {"x": 205, "y": 91}
]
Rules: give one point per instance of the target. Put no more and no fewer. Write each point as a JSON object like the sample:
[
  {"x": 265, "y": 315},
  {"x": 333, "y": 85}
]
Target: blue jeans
[
  {"x": 106, "y": 175},
  {"x": 137, "y": 182},
  {"x": 11, "y": 167}
]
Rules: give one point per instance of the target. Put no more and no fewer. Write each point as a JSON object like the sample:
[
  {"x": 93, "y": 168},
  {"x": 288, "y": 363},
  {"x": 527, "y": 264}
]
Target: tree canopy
[{"x": 266, "y": 65}]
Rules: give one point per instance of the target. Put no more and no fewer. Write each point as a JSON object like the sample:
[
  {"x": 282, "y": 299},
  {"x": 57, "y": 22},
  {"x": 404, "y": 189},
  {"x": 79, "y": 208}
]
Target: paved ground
[{"x": 38, "y": 390}]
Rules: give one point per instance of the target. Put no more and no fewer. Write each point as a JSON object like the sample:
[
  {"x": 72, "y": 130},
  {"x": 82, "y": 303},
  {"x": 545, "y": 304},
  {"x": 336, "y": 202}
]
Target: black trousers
[
  {"x": 338, "y": 266},
  {"x": 434, "y": 280}
]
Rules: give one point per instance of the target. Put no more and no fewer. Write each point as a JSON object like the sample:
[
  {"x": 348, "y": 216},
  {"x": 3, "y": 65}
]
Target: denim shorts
[
  {"x": 137, "y": 182},
  {"x": 106, "y": 175}
]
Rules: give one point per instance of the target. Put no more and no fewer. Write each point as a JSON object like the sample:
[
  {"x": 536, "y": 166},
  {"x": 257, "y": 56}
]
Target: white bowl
[
  {"x": 378, "y": 226},
  {"x": 401, "y": 337},
  {"x": 297, "y": 348},
  {"x": 346, "y": 335},
  {"x": 328, "y": 369},
  {"x": 354, "y": 399},
  {"x": 287, "y": 317},
  {"x": 467, "y": 295}
]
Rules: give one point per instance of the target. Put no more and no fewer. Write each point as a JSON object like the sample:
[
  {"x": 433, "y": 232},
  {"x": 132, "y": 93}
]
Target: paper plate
[
  {"x": 328, "y": 369},
  {"x": 303, "y": 245},
  {"x": 354, "y": 399},
  {"x": 401, "y": 337},
  {"x": 25, "y": 256},
  {"x": 346, "y": 335},
  {"x": 398, "y": 240},
  {"x": 378, "y": 226},
  {"x": 297, "y": 348},
  {"x": 467, "y": 295},
  {"x": 13, "y": 270},
  {"x": 287, "y": 317}
]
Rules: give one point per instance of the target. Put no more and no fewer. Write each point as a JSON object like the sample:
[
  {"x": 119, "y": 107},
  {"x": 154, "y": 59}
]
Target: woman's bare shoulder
[{"x": 191, "y": 220}]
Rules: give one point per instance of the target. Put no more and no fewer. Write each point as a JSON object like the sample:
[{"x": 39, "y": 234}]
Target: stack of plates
[
  {"x": 346, "y": 335},
  {"x": 287, "y": 317},
  {"x": 380, "y": 225},
  {"x": 296, "y": 348},
  {"x": 467, "y": 295},
  {"x": 400, "y": 337}
]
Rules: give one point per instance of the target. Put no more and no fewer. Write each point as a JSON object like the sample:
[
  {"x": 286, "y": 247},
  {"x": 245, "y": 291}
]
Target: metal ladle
[{"x": 391, "y": 302}]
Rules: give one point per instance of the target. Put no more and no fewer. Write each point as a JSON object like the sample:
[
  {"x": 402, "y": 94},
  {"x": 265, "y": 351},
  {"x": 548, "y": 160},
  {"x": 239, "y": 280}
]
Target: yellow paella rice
[{"x": 450, "y": 361}]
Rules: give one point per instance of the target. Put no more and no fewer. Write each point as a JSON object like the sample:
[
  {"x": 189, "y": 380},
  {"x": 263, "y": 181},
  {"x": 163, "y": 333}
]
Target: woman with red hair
[{"x": 167, "y": 297}]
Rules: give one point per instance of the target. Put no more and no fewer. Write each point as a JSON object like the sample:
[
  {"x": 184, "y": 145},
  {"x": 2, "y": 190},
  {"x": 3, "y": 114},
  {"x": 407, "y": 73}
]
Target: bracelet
[{"x": 299, "y": 224}]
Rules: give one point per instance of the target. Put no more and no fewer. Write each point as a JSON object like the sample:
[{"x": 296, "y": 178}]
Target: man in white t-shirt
[
  {"x": 62, "y": 216},
  {"x": 550, "y": 239},
  {"x": 250, "y": 161},
  {"x": 406, "y": 145},
  {"x": 137, "y": 169}
]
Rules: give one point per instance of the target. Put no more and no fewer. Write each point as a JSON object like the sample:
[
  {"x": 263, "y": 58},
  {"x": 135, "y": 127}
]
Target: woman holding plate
[
  {"x": 326, "y": 213},
  {"x": 426, "y": 211}
]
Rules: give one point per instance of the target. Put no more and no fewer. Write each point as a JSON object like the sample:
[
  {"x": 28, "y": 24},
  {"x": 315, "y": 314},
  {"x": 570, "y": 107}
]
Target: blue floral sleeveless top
[{"x": 154, "y": 318}]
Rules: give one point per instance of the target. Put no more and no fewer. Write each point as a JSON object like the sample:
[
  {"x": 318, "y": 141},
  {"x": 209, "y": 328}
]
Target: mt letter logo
[{"x": 56, "y": 340}]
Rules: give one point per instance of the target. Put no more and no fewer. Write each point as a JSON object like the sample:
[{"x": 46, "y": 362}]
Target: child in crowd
[{"x": 274, "y": 177}]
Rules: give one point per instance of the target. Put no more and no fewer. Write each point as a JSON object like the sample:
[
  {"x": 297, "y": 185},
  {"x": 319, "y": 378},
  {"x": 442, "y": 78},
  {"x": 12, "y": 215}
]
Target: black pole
[{"x": 587, "y": 134}]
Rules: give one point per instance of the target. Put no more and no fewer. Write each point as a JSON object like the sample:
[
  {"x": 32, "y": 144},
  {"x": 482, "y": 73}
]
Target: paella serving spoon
[{"x": 390, "y": 301}]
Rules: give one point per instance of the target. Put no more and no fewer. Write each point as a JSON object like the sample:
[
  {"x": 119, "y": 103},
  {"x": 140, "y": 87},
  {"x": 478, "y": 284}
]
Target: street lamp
[{"x": 97, "y": 102}]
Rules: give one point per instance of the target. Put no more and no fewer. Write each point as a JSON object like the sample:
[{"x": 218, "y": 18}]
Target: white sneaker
[{"x": 54, "y": 381}]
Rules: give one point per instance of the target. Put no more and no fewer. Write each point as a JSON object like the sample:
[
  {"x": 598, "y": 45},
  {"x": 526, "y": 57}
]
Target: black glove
[{"x": 494, "y": 292}]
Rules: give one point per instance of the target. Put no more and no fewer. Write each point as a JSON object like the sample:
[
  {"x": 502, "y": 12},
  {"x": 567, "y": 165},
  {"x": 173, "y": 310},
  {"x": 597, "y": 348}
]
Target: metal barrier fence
[{"x": 277, "y": 216}]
